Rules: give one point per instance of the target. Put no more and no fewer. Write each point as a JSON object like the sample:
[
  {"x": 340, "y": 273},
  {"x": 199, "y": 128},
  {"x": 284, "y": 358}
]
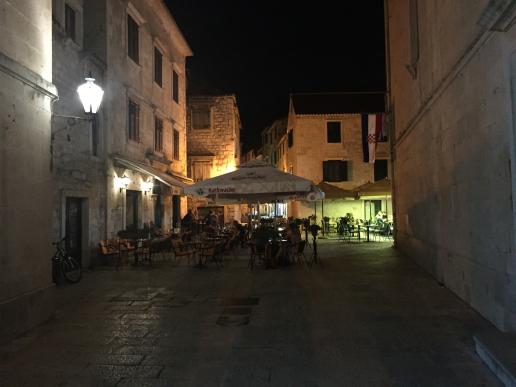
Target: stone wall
[
  {"x": 218, "y": 145},
  {"x": 454, "y": 148},
  {"x": 222, "y": 140},
  {"x": 26, "y": 92},
  {"x": 78, "y": 164}
]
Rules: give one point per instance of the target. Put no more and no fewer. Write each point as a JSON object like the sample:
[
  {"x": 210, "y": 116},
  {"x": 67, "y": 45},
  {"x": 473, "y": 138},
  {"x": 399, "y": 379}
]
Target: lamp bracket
[{"x": 91, "y": 118}]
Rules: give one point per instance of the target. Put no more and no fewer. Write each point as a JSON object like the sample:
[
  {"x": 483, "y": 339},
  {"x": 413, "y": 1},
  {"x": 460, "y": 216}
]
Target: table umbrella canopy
[
  {"x": 256, "y": 181},
  {"x": 333, "y": 192},
  {"x": 378, "y": 188}
]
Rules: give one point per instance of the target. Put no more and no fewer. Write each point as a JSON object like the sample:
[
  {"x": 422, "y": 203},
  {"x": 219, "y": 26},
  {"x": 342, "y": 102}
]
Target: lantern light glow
[{"x": 90, "y": 95}]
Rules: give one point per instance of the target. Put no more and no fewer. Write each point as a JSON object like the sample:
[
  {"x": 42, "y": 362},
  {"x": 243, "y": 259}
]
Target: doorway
[
  {"x": 176, "y": 211},
  {"x": 73, "y": 227},
  {"x": 131, "y": 209},
  {"x": 158, "y": 211}
]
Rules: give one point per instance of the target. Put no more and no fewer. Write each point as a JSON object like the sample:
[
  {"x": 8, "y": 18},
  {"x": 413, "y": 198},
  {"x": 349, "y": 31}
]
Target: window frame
[
  {"x": 343, "y": 171},
  {"x": 158, "y": 67},
  {"x": 375, "y": 172},
  {"x": 133, "y": 135},
  {"x": 158, "y": 134},
  {"x": 70, "y": 31},
  {"x": 208, "y": 110},
  {"x": 135, "y": 34},
  {"x": 95, "y": 136},
  {"x": 175, "y": 149},
  {"x": 332, "y": 136},
  {"x": 175, "y": 86}
]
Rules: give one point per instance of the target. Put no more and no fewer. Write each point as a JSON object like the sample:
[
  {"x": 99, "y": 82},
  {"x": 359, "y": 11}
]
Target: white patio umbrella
[{"x": 256, "y": 181}]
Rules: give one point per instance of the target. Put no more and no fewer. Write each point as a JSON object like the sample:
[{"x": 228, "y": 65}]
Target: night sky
[{"x": 264, "y": 50}]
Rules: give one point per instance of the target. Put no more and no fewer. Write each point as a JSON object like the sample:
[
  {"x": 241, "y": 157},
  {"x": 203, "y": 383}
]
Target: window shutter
[{"x": 325, "y": 171}]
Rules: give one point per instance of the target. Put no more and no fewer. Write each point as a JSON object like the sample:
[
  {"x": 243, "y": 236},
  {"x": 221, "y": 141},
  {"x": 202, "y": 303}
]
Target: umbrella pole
[
  {"x": 322, "y": 217},
  {"x": 386, "y": 207}
]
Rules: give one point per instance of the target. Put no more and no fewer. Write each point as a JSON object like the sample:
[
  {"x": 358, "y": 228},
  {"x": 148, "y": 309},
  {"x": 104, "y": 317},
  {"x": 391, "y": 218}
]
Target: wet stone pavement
[{"x": 367, "y": 318}]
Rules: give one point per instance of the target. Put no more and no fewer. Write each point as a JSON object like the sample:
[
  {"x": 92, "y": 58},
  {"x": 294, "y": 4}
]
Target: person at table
[
  {"x": 287, "y": 250},
  {"x": 187, "y": 221},
  {"x": 239, "y": 229}
]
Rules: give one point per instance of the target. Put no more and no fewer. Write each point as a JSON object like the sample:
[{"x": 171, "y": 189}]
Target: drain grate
[
  {"x": 242, "y": 301},
  {"x": 231, "y": 320},
  {"x": 237, "y": 310}
]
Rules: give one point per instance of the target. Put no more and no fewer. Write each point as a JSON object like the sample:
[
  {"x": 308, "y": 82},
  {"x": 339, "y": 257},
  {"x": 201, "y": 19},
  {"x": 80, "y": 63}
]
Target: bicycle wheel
[{"x": 71, "y": 270}]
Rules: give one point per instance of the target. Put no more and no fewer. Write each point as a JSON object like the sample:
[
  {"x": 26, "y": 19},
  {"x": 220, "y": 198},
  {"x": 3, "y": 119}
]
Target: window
[
  {"x": 290, "y": 138},
  {"x": 158, "y": 134},
  {"x": 201, "y": 170},
  {"x": 70, "y": 22},
  {"x": 176, "y": 144},
  {"x": 414, "y": 38},
  {"x": 201, "y": 118},
  {"x": 381, "y": 170},
  {"x": 158, "y": 67},
  {"x": 134, "y": 121},
  {"x": 175, "y": 86},
  {"x": 333, "y": 132},
  {"x": 133, "y": 49},
  {"x": 94, "y": 136},
  {"x": 335, "y": 170}
]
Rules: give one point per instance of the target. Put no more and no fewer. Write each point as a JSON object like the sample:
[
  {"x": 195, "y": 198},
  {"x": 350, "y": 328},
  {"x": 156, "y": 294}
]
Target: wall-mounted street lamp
[
  {"x": 124, "y": 182},
  {"x": 91, "y": 96},
  {"x": 147, "y": 186}
]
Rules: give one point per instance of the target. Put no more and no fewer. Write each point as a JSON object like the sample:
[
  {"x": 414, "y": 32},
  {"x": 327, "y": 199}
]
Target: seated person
[
  {"x": 293, "y": 235},
  {"x": 187, "y": 221},
  {"x": 154, "y": 231}
]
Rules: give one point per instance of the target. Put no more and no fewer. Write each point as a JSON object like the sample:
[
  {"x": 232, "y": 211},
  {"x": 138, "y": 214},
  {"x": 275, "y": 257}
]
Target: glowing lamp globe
[{"x": 90, "y": 95}]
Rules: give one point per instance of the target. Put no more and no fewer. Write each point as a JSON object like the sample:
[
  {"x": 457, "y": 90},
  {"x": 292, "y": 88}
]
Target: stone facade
[
  {"x": 137, "y": 54},
  {"x": 78, "y": 149},
  {"x": 270, "y": 140},
  {"x": 309, "y": 148},
  {"x": 130, "y": 80},
  {"x": 453, "y": 76},
  {"x": 26, "y": 95},
  {"x": 213, "y": 140}
]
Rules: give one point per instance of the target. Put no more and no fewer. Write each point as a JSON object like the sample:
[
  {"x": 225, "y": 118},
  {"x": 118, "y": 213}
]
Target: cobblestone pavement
[{"x": 367, "y": 318}]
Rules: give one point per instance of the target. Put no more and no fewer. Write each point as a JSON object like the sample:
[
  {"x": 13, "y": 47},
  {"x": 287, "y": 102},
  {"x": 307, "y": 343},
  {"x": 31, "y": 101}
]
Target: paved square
[{"x": 367, "y": 318}]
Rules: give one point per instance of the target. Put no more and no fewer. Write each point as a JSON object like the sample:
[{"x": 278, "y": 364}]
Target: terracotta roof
[
  {"x": 338, "y": 103},
  {"x": 333, "y": 192}
]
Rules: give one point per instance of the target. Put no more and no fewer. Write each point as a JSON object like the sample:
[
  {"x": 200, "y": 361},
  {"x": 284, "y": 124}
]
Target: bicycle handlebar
[{"x": 59, "y": 242}]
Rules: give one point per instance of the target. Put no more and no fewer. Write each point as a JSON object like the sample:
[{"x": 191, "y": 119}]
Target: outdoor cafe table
[{"x": 273, "y": 247}]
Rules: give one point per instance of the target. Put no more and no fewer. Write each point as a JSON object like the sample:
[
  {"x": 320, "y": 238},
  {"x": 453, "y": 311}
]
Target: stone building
[
  {"x": 452, "y": 81},
  {"x": 213, "y": 136},
  {"x": 323, "y": 143},
  {"x": 78, "y": 151},
  {"x": 26, "y": 96},
  {"x": 128, "y": 166},
  {"x": 270, "y": 139}
]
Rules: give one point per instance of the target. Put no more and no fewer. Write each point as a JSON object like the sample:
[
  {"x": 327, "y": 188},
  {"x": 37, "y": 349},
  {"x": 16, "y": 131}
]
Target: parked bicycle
[{"x": 64, "y": 265}]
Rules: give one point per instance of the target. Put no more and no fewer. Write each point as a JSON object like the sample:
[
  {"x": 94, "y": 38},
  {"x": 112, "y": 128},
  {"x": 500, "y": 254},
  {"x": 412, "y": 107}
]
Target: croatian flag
[{"x": 372, "y": 125}]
